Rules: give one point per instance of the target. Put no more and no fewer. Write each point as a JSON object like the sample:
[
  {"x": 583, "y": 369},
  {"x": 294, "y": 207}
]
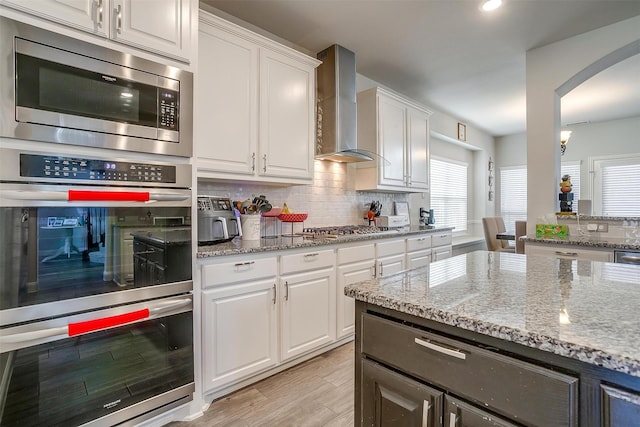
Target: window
[
  {"x": 513, "y": 190},
  {"x": 513, "y": 194},
  {"x": 449, "y": 193},
  {"x": 616, "y": 190}
]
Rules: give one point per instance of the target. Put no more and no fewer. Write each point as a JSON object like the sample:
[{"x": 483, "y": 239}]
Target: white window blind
[
  {"x": 449, "y": 193},
  {"x": 617, "y": 186},
  {"x": 513, "y": 190},
  {"x": 513, "y": 195}
]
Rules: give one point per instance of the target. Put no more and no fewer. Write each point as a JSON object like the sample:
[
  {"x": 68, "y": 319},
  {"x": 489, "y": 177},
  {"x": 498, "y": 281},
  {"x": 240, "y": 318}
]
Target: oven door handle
[
  {"x": 85, "y": 327},
  {"x": 94, "y": 196}
]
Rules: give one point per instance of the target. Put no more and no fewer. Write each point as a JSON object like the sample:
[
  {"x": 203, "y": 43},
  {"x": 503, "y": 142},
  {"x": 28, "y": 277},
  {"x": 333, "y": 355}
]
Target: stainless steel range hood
[{"x": 337, "y": 119}]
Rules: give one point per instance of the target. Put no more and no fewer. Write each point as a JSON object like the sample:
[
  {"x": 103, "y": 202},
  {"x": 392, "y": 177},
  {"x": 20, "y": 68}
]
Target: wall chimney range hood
[{"x": 337, "y": 120}]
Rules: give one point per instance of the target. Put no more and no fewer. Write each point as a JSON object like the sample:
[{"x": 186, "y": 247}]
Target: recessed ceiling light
[{"x": 489, "y": 5}]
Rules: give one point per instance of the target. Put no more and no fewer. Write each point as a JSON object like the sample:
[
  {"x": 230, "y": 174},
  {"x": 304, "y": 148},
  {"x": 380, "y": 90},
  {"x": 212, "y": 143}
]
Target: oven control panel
[{"x": 85, "y": 169}]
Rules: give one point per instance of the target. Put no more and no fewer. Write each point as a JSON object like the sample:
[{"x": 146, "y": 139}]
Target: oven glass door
[
  {"x": 118, "y": 373},
  {"x": 57, "y": 260}
]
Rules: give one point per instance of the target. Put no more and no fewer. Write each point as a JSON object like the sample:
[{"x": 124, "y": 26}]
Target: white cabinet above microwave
[{"x": 162, "y": 27}]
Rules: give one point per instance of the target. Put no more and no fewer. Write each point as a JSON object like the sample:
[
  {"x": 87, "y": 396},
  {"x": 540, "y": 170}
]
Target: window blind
[
  {"x": 449, "y": 193},
  {"x": 513, "y": 195},
  {"x": 620, "y": 187},
  {"x": 513, "y": 190}
]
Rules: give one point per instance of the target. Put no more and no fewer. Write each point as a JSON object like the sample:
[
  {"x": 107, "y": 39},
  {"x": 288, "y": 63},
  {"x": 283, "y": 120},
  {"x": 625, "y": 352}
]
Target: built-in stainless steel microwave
[{"x": 58, "y": 89}]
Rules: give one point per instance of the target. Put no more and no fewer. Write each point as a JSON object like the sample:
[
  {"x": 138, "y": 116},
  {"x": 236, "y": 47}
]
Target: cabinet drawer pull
[
  {"x": 264, "y": 166},
  {"x": 253, "y": 162},
  {"x": 426, "y": 406},
  {"x": 274, "y": 294},
  {"x": 566, "y": 253},
  {"x": 240, "y": 264},
  {"x": 632, "y": 259},
  {"x": 452, "y": 419},
  {"x": 448, "y": 351},
  {"x": 311, "y": 255},
  {"x": 286, "y": 291},
  {"x": 421, "y": 239}
]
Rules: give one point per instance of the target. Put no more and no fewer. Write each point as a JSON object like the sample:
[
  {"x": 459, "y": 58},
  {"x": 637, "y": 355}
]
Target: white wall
[{"x": 552, "y": 71}]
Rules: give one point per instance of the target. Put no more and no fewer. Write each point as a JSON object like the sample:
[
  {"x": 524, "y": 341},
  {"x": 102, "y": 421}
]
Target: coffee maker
[{"x": 426, "y": 218}]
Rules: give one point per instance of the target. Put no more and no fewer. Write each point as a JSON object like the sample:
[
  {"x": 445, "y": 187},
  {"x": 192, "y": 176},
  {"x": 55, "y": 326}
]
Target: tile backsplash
[{"x": 330, "y": 200}]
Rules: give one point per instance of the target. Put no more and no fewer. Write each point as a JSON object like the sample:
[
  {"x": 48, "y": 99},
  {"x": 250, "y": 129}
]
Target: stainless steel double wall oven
[{"x": 95, "y": 245}]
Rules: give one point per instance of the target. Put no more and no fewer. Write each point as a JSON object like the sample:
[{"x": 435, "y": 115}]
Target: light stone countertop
[
  {"x": 239, "y": 246},
  {"x": 588, "y": 241},
  {"x": 519, "y": 298}
]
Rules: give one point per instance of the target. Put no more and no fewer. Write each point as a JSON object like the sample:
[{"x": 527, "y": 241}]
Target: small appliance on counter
[
  {"x": 217, "y": 221},
  {"x": 426, "y": 218},
  {"x": 386, "y": 222}
]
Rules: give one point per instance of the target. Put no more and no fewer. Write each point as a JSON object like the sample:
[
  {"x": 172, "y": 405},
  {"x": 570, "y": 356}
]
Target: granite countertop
[
  {"x": 588, "y": 241},
  {"x": 239, "y": 246},
  {"x": 165, "y": 236},
  {"x": 522, "y": 299}
]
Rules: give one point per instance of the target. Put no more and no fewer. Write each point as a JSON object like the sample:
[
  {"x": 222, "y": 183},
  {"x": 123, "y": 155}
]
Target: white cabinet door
[
  {"x": 392, "y": 134},
  {"x": 239, "y": 332},
  {"x": 86, "y": 15},
  {"x": 308, "y": 317},
  {"x": 397, "y": 129},
  {"x": 163, "y": 27},
  {"x": 390, "y": 265},
  {"x": 287, "y": 111},
  {"x": 417, "y": 149},
  {"x": 227, "y": 103},
  {"x": 418, "y": 258},
  {"x": 345, "y": 309}
]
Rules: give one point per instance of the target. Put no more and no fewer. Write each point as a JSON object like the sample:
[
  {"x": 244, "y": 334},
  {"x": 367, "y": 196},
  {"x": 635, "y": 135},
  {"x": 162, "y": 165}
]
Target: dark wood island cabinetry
[{"x": 487, "y": 347}]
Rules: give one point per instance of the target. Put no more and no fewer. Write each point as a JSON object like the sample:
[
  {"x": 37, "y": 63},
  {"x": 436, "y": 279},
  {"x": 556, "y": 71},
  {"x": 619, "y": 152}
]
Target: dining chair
[{"x": 493, "y": 225}]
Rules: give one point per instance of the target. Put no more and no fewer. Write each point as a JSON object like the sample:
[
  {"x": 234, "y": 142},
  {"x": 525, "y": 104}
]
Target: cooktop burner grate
[{"x": 342, "y": 230}]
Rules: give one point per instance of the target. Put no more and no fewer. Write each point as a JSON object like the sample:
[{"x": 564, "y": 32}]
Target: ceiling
[{"x": 451, "y": 56}]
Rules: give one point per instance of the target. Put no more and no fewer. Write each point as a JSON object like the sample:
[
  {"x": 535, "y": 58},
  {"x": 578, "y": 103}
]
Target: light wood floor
[{"x": 318, "y": 392}]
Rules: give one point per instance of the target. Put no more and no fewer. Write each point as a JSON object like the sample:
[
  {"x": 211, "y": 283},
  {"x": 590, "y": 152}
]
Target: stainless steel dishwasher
[{"x": 627, "y": 257}]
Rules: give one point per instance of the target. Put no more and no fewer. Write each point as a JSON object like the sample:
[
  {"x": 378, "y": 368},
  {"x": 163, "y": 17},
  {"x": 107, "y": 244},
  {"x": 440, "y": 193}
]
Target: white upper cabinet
[
  {"x": 163, "y": 27},
  {"x": 255, "y": 106},
  {"x": 159, "y": 26},
  {"x": 397, "y": 129},
  {"x": 227, "y": 103}
]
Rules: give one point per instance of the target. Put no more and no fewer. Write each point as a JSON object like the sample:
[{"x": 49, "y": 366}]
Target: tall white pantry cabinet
[{"x": 255, "y": 106}]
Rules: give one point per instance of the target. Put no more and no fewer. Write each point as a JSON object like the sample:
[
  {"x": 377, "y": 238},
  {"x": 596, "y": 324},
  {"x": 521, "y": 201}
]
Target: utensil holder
[{"x": 250, "y": 227}]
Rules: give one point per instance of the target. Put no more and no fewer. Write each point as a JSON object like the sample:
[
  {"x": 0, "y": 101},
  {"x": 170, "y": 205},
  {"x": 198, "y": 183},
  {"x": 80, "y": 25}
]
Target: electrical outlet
[{"x": 592, "y": 227}]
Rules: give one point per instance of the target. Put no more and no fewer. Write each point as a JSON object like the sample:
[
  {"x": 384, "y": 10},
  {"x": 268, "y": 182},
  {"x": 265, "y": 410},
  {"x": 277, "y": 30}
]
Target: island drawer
[{"x": 519, "y": 390}]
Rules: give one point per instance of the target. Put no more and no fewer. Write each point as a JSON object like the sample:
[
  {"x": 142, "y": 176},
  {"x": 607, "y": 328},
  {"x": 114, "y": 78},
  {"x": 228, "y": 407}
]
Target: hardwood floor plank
[{"x": 316, "y": 393}]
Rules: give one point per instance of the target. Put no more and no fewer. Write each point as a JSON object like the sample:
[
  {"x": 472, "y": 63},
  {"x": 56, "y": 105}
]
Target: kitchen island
[{"x": 504, "y": 339}]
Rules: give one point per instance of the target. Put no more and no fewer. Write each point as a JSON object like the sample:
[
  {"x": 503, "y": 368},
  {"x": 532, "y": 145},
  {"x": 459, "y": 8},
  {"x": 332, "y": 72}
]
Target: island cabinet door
[
  {"x": 391, "y": 399},
  {"x": 619, "y": 407},
  {"x": 461, "y": 414}
]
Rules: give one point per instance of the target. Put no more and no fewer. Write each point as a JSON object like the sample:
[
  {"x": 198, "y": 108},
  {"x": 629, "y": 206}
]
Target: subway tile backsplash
[{"x": 330, "y": 200}]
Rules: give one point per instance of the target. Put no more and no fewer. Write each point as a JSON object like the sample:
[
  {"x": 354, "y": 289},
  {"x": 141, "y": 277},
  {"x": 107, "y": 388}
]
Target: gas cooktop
[{"x": 338, "y": 231}]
